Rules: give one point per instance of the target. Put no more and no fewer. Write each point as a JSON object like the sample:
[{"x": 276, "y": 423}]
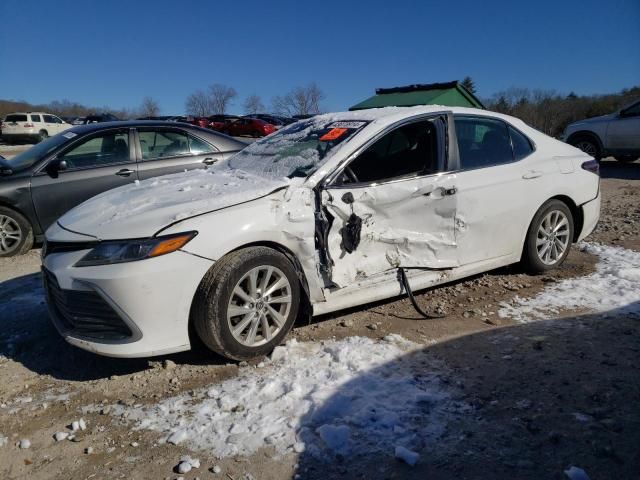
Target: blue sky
[{"x": 115, "y": 52}]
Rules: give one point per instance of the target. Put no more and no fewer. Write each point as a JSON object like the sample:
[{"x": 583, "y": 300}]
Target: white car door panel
[
  {"x": 406, "y": 223},
  {"x": 491, "y": 204}
]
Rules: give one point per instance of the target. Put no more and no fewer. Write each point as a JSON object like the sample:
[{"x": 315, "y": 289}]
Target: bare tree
[
  {"x": 299, "y": 101},
  {"x": 198, "y": 104},
  {"x": 253, "y": 104},
  {"x": 149, "y": 107},
  {"x": 221, "y": 97}
]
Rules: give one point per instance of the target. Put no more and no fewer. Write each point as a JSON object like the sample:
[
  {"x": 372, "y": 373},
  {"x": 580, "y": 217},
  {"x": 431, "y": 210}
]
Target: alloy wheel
[
  {"x": 587, "y": 147},
  {"x": 259, "y": 306},
  {"x": 552, "y": 239},
  {"x": 10, "y": 234}
]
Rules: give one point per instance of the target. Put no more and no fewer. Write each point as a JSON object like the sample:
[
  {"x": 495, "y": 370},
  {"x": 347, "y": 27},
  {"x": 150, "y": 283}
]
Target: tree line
[
  {"x": 550, "y": 112},
  {"x": 67, "y": 108},
  {"x": 217, "y": 99},
  {"x": 546, "y": 110}
]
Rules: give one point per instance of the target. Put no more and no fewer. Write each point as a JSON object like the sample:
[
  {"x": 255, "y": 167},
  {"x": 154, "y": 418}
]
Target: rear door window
[
  {"x": 199, "y": 147},
  {"x": 100, "y": 150},
  {"x": 35, "y": 118},
  {"x": 482, "y": 142},
  {"x": 156, "y": 144}
]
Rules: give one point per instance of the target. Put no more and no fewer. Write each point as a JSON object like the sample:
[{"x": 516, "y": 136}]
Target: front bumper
[{"x": 135, "y": 309}]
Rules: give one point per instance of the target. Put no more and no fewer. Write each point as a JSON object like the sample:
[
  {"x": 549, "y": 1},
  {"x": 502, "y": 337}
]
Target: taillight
[
  {"x": 592, "y": 166},
  {"x": 28, "y": 125}
]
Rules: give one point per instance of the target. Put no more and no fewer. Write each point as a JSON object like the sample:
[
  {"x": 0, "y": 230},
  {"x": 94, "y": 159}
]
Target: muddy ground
[{"x": 526, "y": 382}]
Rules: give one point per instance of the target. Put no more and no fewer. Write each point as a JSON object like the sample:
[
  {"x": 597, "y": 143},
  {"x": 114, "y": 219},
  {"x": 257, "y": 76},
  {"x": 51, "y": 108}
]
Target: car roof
[{"x": 230, "y": 143}]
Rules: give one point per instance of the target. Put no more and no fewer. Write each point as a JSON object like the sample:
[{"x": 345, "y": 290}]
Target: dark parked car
[
  {"x": 248, "y": 127},
  {"x": 44, "y": 182},
  {"x": 102, "y": 117}
]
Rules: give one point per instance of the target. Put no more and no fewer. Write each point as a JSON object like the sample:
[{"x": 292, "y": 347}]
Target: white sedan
[{"x": 325, "y": 214}]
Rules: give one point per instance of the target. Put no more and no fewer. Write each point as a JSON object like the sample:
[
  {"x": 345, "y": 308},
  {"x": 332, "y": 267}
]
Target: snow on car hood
[{"x": 144, "y": 207}]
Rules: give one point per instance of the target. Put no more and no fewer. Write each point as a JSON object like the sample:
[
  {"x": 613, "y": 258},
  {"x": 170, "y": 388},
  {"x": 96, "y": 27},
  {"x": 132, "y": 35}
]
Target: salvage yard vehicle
[
  {"x": 616, "y": 134},
  {"x": 40, "y": 184},
  {"x": 325, "y": 214},
  {"x": 31, "y": 126}
]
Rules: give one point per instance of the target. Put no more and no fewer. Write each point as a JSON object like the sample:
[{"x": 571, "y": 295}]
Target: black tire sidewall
[
  {"x": 531, "y": 259},
  {"x": 27, "y": 233},
  {"x": 214, "y": 330}
]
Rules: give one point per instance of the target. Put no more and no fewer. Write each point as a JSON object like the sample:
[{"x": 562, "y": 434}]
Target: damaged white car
[{"x": 328, "y": 213}]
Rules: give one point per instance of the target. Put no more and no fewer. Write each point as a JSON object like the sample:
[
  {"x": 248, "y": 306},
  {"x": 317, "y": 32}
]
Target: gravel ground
[{"x": 544, "y": 395}]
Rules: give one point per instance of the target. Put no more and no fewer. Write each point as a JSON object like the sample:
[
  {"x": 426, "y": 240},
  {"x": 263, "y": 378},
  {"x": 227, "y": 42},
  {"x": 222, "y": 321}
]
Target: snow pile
[
  {"x": 353, "y": 396},
  {"x": 614, "y": 285}
]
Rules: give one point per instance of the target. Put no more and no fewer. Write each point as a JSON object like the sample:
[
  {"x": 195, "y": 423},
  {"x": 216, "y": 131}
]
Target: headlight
[{"x": 120, "y": 251}]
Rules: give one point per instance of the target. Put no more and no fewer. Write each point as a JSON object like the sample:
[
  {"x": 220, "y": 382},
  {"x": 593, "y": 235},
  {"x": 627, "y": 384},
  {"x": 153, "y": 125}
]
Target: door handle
[
  {"x": 209, "y": 161},
  {"x": 532, "y": 174},
  {"x": 125, "y": 172},
  {"x": 450, "y": 191}
]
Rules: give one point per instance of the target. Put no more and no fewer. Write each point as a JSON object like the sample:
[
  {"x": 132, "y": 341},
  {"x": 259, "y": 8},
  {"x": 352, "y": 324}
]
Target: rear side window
[
  {"x": 35, "y": 118},
  {"x": 157, "y": 144},
  {"x": 521, "y": 145},
  {"x": 101, "y": 150},
  {"x": 15, "y": 118},
  {"x": 482, "y": 142}
]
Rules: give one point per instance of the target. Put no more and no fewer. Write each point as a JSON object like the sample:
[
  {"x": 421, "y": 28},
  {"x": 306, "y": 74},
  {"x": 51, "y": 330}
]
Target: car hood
[
  {"x": 143, "y": 208},
  {"x": 601, "y": 118}
]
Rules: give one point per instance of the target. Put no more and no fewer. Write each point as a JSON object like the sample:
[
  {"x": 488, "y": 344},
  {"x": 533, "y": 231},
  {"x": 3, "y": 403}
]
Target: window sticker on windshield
[
  {"x": 333, "y": 134},
  {"x": 347, "y": 124},
  {"x": 69, "y": 135}
]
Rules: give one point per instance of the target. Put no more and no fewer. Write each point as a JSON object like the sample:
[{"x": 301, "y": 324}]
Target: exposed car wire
[{"x": 407, "y": 287}]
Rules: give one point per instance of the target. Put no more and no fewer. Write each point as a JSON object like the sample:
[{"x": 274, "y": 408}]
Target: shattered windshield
[{"x": 297, "y": 150}]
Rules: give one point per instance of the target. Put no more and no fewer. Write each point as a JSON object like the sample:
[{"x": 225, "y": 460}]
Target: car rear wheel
[
  {"x": 247, "y": 303},
  {"x": 549, "y": 237},
  {"x": 42, "y": 135},
  {"x": 16, "y": 234},
  {"x": 588, "y": 145}
]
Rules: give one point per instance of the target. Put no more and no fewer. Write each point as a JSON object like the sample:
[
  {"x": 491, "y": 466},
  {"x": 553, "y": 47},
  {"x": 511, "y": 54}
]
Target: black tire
[
  {"x": 588, "y": 145},
  {"x": 11, "y": 222},
  {"x": 209, "y": 312},
  {"x": 626, "y": 158},
  {"x": 531, "y": 260},
  {"x": 42, "y": 135}
]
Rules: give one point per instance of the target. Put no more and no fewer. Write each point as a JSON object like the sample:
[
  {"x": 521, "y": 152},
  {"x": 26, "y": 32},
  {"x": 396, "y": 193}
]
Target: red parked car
[
  {"x": 248, "y": 126},
  {"x": 201, "y": 122},
  {"x": 219, "y": 123}
]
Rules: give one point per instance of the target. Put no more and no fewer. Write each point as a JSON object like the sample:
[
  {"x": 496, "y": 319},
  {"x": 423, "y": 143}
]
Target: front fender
[{"x": 285, "y": 219}]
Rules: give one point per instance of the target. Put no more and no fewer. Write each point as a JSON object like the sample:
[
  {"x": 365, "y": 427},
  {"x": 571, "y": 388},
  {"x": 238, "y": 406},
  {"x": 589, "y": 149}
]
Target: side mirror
[{"x": 56, "y": 166}]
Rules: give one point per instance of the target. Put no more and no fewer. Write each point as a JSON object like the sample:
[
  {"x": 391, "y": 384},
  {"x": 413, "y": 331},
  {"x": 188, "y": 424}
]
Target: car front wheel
[
  {"x": 549, "y": 237},
  {"x": 247, "y": 303},
  {"x": 16, "y": 234}
]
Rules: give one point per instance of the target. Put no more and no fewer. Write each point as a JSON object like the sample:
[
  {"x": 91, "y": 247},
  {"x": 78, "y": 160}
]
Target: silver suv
[{"x": 616, "y": 134}]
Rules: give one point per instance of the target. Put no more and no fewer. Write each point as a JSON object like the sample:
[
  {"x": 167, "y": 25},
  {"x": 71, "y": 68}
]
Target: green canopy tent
[{"x": 451, "y": 94}]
